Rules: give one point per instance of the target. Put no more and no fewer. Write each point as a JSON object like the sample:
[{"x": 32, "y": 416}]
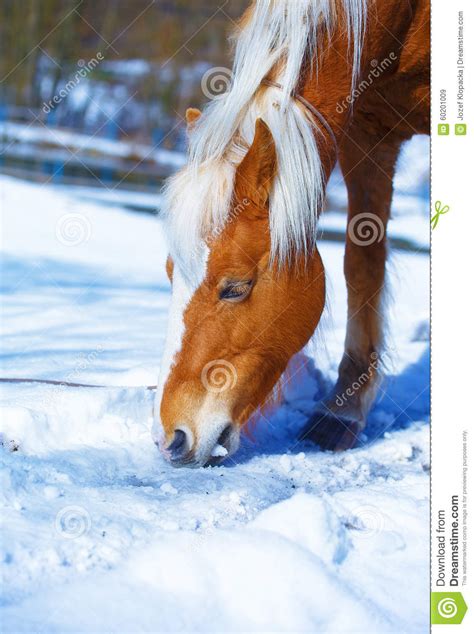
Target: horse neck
[{"x": 329, "y": 81}]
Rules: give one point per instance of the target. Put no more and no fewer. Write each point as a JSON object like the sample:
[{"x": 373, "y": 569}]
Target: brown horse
[{"x": 314, "y": 81}]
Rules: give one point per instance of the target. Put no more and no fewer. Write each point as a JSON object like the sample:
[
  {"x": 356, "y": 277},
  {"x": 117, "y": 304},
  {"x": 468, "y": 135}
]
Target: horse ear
[
  {"x": 192, "y": 115},
  {"x": 258, "y": 168},
  {"x": 169, "y": 268}
]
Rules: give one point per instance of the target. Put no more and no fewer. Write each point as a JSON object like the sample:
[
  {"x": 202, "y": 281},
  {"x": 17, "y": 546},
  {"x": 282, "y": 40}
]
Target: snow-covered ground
[
  {"x": 28, "y": 139},
  {"x": 99, "y": 534}
]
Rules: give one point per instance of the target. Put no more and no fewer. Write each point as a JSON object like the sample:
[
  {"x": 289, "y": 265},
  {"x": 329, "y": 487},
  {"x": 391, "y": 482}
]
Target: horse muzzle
[{"x": 188, "y": 449}]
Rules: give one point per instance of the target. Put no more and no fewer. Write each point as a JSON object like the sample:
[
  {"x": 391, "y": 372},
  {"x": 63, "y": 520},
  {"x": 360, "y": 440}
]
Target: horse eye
[{"x": 235, "y": 291}]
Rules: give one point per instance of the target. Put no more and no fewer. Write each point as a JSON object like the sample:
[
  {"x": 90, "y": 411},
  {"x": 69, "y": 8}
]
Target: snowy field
[{"x": 99, "y": 534}]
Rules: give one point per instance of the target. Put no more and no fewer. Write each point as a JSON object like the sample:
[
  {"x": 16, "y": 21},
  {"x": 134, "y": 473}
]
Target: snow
[
  {"x": 132, "y": 199},
  {"x": 25, "y": 134},
  {"x": 128, "y": 67},
  {"x": 219, "y": 451},
  {"x": 99, "y": 534}
]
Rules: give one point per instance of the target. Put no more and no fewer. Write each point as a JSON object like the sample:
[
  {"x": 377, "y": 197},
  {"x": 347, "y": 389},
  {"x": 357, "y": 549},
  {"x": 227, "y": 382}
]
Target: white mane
[{"x": 276, "y": 37}]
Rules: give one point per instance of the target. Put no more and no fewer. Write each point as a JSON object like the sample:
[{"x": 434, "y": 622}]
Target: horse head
[{"x": 236, "y": 320}]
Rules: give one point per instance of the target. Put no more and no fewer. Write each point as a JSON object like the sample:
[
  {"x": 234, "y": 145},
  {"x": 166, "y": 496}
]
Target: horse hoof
[{"x": 331, "y": 432}]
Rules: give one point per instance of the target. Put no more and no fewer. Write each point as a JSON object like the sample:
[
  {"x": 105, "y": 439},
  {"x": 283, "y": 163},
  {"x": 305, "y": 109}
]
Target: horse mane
[{"x": 275, "y": 37}]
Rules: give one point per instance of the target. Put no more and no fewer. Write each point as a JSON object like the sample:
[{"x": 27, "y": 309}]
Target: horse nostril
[
  {"x": 224, "y": 437},
  {"x": 179, "y": 444}
]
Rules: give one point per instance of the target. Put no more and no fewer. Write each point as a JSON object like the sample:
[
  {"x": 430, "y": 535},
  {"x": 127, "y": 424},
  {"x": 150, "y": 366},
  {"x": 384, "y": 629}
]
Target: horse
[{"x": 313, "y": 82}]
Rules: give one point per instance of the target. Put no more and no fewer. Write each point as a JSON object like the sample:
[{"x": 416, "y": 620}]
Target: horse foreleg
[{"x": 368, "y": 174}]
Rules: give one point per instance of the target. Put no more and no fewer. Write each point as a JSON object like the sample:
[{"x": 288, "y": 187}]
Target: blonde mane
[{"x": 276, "y": 37}]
